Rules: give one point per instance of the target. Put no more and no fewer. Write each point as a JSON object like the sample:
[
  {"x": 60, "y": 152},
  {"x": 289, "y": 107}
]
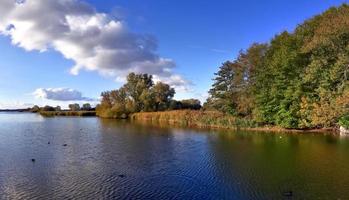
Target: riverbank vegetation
[
  {"x": 194, "y": 118},
  {"x": 298, "y": 80},
  {"x": 344, "y": 121},
  {"x": 141, "y": 94}
]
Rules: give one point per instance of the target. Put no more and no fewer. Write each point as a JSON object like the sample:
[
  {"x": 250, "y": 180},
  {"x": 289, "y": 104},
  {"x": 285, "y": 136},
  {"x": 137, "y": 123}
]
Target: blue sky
[{"x": 196, "y": 35}]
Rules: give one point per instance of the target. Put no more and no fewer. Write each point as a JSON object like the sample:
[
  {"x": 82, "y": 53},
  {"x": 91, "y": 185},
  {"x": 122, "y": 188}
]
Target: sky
[{"x": 55, "y": 52}]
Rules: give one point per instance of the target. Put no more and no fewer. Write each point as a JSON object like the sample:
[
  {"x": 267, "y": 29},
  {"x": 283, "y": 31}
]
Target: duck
[{"x": 287, "y": 194}]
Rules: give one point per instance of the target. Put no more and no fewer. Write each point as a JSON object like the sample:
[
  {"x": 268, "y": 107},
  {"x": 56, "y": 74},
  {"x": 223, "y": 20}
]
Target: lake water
[{"x": 107, "y": 159}]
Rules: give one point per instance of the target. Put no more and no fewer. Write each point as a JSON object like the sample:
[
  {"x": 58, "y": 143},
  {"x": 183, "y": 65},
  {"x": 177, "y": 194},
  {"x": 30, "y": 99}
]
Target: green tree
[
  {"x": 193, "y": 104},
  {"x": 221, "y": 93},
  {"x": 138, "y": 94},
  {"x": 163, "y": 95},
  {"x": 298, "y": 80},
  {"x": 235, "y": 82},
  {"x": 35, "y": 109},
  {"x": 74, "y": 107},
  {"x": 86, "y": 107},
  {"x": 48, "y": 108},
  {"x": 136, "y": 85},
  {"x": 58, "y": 108}
]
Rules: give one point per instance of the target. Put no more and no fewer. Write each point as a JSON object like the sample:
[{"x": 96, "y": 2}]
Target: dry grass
[{"x": 192, "y": 118}]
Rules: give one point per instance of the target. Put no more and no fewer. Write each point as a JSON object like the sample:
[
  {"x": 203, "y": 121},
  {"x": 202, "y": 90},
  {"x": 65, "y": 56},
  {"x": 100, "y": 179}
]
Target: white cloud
[
  {"x": 15, "y": 105},
  {"x": 60, "y": 94},
  {"x": 94, "y": 41},
  {"x": 176, "y": 81}
]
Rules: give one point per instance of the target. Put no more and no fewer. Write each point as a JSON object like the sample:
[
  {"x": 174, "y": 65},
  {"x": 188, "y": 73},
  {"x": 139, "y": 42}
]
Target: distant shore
[
  {"x": 81, "y": 113},
  {"x": 68, "y": 113},
  {"x": 15, "y": 110}
]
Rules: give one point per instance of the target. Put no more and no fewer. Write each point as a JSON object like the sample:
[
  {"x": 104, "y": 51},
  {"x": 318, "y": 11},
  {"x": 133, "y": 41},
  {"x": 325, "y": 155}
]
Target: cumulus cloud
[
  {"x": 94, "y": 41},
  {"x": 60, "y": 94},
  {"x": 175, "y": 81}
]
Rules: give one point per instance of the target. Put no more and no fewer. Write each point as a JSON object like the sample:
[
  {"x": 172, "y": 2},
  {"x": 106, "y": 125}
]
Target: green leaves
[
  {"x": 138, "y": 94},
  {"x": 344, "y": 121},
  {"x": 299, "y": 80}
]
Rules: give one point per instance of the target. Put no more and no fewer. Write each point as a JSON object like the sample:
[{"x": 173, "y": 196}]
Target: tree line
[
  {"x": 297, "y": 80},
  {"x": 72, "y": 107},
  {"x": 141, "y": 94}
]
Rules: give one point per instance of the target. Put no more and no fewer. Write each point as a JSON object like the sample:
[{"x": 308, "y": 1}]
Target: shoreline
[
  {"x": 173, "y": 120},
  {"x": 213, "y": 120},
  {"x": 269, "y": 129}
]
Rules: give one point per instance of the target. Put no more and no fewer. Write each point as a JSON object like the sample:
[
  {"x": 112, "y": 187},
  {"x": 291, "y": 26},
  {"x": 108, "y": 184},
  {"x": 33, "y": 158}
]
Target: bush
[{"x": 344, "y": 121}]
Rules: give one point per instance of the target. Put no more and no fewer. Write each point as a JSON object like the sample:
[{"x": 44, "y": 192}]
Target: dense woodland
[{"x": 297, "y": 80}]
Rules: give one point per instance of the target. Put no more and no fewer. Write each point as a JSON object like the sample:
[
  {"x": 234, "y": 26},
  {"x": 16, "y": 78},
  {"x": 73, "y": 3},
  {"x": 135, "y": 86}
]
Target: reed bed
[{"x": 192, "y": 118}]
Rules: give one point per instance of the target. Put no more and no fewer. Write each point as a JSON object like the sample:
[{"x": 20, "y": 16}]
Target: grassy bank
[
  {"x": 192, "y": 118},
  {"x": 67, "y": 113},
  {"x": 210, "y": 119}
]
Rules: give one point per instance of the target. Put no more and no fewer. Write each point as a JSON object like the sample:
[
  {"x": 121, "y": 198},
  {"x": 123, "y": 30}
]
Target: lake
[{"x": 92, "y": 158}]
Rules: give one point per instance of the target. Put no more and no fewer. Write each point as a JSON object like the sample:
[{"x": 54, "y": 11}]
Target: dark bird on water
[
  {"x": 33, "y": 160},
  {"x": 65, "y": 145},
  {"x": 287, "y": 194}
]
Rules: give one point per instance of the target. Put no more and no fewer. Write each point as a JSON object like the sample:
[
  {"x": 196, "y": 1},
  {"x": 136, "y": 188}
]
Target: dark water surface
[{"x": 106, "y": 159}]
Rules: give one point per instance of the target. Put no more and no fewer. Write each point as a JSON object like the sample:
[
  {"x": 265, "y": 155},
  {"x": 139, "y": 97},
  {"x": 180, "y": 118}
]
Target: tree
[
  {"x": 86, "y": 107},
  {"x": 163, "y": 95},
  {"x": 35, "y": 109},
  {"x": 136, "y": 85},
  {"x": 235, "y": 82},
  {"x": 48, "y": 108},
  {"x": 192, "y": 104},
  {"x": 221, "y": 93},
  {"x": 138, "y": 94},
  {"x": 298, "y": 80},
  {"x": 58, "y": 108},
  {"x": 74, "y": 107},
  {"x": 278, "y": 90}
]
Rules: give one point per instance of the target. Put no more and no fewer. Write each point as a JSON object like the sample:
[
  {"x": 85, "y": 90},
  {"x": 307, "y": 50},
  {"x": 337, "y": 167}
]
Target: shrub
[{"x": 344, "y": 121}]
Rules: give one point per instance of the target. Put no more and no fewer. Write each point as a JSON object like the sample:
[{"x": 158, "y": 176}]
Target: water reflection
[
  {"x": 272, "y": 164},
  {"x": 107, "y": 159}
]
